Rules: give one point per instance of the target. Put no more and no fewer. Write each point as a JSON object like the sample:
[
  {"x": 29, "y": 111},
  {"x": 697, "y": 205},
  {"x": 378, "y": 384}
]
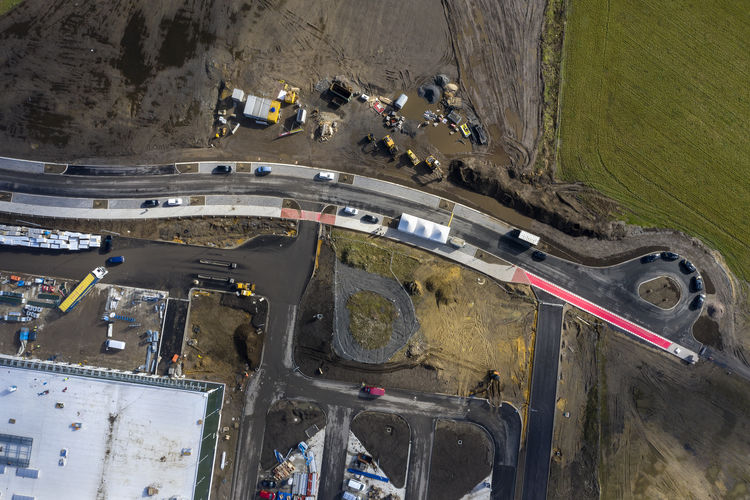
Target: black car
[
  {"x": 107, "y": 243},
  {"x": 649, "y": 258},
  {"x": 687, "y": 266},
  {"x": 151, "y": 203},
  {"x": 223, "y": 169},
  {"x": 697, "y": 283},
  {"x": 698, "y": 301},
  {"x": 372, "y": 219},
  {"x": 538, "y": 255},
  {"x": 670, "y": 256},
  {"x": 267, "y": 483}
]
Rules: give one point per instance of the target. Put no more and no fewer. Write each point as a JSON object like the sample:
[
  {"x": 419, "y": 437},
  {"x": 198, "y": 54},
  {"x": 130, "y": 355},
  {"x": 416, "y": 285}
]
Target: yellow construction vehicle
[
  {"x": 392, "y": 148},
  {"x": 412, "y": 157},
  {"x": 434, "y": 165},
  {"x": 291, "y": 93},
  {"x": 245, "y": 286}
]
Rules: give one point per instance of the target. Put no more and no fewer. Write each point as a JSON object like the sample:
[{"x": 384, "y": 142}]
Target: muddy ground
[
  {"x": 226, "y": 351},
  {"x": 387, "y": 437},
  {"x": 220, "y": 232},
  {"x": 662, "y": 429},
  {"x": 462, "y": 455},
  {"x": 662, "y": 292},
  {"x": 80, "y": 335},
  {"x": 469, "y": 325},
  {"x": 286, "y": 423}
]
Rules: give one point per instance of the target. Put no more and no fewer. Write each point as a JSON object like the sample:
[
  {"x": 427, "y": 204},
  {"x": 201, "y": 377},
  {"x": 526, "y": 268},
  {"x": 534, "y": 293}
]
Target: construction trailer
[{"x": 262, "y": 110}]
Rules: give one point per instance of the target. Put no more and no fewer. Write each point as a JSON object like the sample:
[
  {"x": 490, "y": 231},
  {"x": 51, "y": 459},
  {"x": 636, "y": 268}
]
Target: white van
[
  {"x": 355, "y": 485},
  {"x": 326, "y": 176},
  {"x": 115, "y": 345}
]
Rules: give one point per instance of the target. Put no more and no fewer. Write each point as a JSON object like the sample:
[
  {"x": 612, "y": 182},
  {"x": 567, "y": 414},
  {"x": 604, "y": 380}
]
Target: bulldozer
[
  {"x": 414, "y": 159},
  {"x": 392, "y": 148}
]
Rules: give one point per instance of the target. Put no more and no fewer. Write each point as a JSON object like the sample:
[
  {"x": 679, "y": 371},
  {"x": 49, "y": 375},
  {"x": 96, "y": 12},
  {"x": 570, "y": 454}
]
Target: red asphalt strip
[
  {"x": 597, "y": 311},
  {"x": 570, "y": 298}
]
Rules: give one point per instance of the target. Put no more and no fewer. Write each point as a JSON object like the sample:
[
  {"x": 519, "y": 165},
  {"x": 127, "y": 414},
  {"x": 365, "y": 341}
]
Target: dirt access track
[{"x": 141, "y": 78}]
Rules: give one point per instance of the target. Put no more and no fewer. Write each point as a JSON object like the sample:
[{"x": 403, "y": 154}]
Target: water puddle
[{"x": 440, "y": 136}]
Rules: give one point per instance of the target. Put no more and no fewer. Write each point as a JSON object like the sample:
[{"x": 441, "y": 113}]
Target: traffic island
[
  {"x": 663, "y": 292},
  {"x": 386, "y": 438},
  {"x": 462, "y": 458}
]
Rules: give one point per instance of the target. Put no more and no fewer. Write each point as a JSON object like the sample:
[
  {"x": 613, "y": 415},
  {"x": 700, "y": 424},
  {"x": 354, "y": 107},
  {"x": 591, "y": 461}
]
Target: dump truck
[
  {"x": 390, "y": 145},
  {"x": 414, "y": 159}
]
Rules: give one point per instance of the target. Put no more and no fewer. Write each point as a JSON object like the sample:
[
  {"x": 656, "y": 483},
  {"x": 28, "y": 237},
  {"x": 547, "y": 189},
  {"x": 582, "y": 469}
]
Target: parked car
[
  {"x": 687, "y": 266},
  {"x": 150, "y": 203},
  {"x": 372, "y": 219},
  {"x": 107, "y": 243},
  {"x": 697, "y": 283},
  {"x": 48, "y": 289},
  {"x": 538, "y": 255},
  {"x": 174, "y": 202},
  {"x": 350, "y": 211},
  {"x": 267, "y": 495},
  {"x": 223, "y": 169},
  {"x": 649, "y": 258},
  {"x": 268, "y": 483},
  {"x": 698, "y": 301},
  {"x": 116, "y": 260},
  {"x": 325, "y": 176},
  {"x": 670, "y": 256},
  {"x": 263, "y": 170}
]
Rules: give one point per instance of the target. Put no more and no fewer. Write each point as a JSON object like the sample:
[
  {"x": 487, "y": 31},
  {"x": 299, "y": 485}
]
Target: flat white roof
[
  {"x": 132, "y": 436},
  {"x": 423, "y": 228},
  {"x": 257, "y": 107},
  {"x": 528, "y": 237}
]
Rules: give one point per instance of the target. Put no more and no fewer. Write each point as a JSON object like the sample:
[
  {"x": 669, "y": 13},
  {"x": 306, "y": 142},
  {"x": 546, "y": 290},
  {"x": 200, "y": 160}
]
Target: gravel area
[{"x": 347, "y": 281}]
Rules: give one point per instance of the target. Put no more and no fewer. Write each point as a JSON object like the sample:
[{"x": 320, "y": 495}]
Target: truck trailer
[{"x": 82, "y": 289}]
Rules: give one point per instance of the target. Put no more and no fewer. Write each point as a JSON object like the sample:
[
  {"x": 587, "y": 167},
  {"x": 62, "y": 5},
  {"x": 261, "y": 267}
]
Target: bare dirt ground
[
  {"x": 221, "y": 232},
  {"x": 662, "y": 292},
  {"x": 226, "y": 350},
  {"x": 286, "y": 423},
  {"x": 79, "y": 336},
  {"x": 469, "y": 325},
  {"x": 661, "y": 428},
  {"x": 386, "y": 436},
  {"x": 462, "y": 455}
]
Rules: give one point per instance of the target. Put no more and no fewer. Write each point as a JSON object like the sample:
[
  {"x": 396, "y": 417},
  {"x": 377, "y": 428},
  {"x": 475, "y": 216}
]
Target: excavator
[{"x": 489, "y": 388}]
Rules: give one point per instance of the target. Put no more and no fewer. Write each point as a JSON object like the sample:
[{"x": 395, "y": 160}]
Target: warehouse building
[{"x": 77, "y": 432}]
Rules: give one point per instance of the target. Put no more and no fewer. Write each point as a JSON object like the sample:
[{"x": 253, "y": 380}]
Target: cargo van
[
  {"x": 301, "y": 116},
  {"x": 115, "y": 345}
]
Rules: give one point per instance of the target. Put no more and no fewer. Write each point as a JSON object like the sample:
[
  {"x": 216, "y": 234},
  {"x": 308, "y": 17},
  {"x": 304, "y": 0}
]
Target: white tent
[{"x": 423, "y": 228}]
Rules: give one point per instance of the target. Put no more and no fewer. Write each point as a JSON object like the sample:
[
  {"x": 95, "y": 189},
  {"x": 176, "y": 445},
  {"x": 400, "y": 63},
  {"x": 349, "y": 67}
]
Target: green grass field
[
  {"x": 656, "y": 113},
  {"x": 6, "y": 5}
]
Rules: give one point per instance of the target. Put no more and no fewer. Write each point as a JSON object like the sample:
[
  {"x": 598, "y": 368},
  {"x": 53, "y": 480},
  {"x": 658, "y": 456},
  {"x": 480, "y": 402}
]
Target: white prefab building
[
  {"x": 262, "y": 109},
  {"x": 424, "y": 228}
]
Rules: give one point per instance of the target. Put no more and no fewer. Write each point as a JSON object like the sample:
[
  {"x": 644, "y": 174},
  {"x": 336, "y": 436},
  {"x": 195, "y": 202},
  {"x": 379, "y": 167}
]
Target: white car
[
  {"x": 326, "y": 176},
  {"x": 351, "y": 211},
  {"x": 174, "y": 202}
]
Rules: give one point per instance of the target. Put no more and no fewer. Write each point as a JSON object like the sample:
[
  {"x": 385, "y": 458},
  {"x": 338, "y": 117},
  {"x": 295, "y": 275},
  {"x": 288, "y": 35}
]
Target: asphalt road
[
  {"x": 543, "y": 395},
  {"x": 614, "y": 288}
]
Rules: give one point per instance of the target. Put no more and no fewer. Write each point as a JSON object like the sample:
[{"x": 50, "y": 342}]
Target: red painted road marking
[
  {"x": 597, "y": 311},
  {"x": 292, "y": 213}
]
